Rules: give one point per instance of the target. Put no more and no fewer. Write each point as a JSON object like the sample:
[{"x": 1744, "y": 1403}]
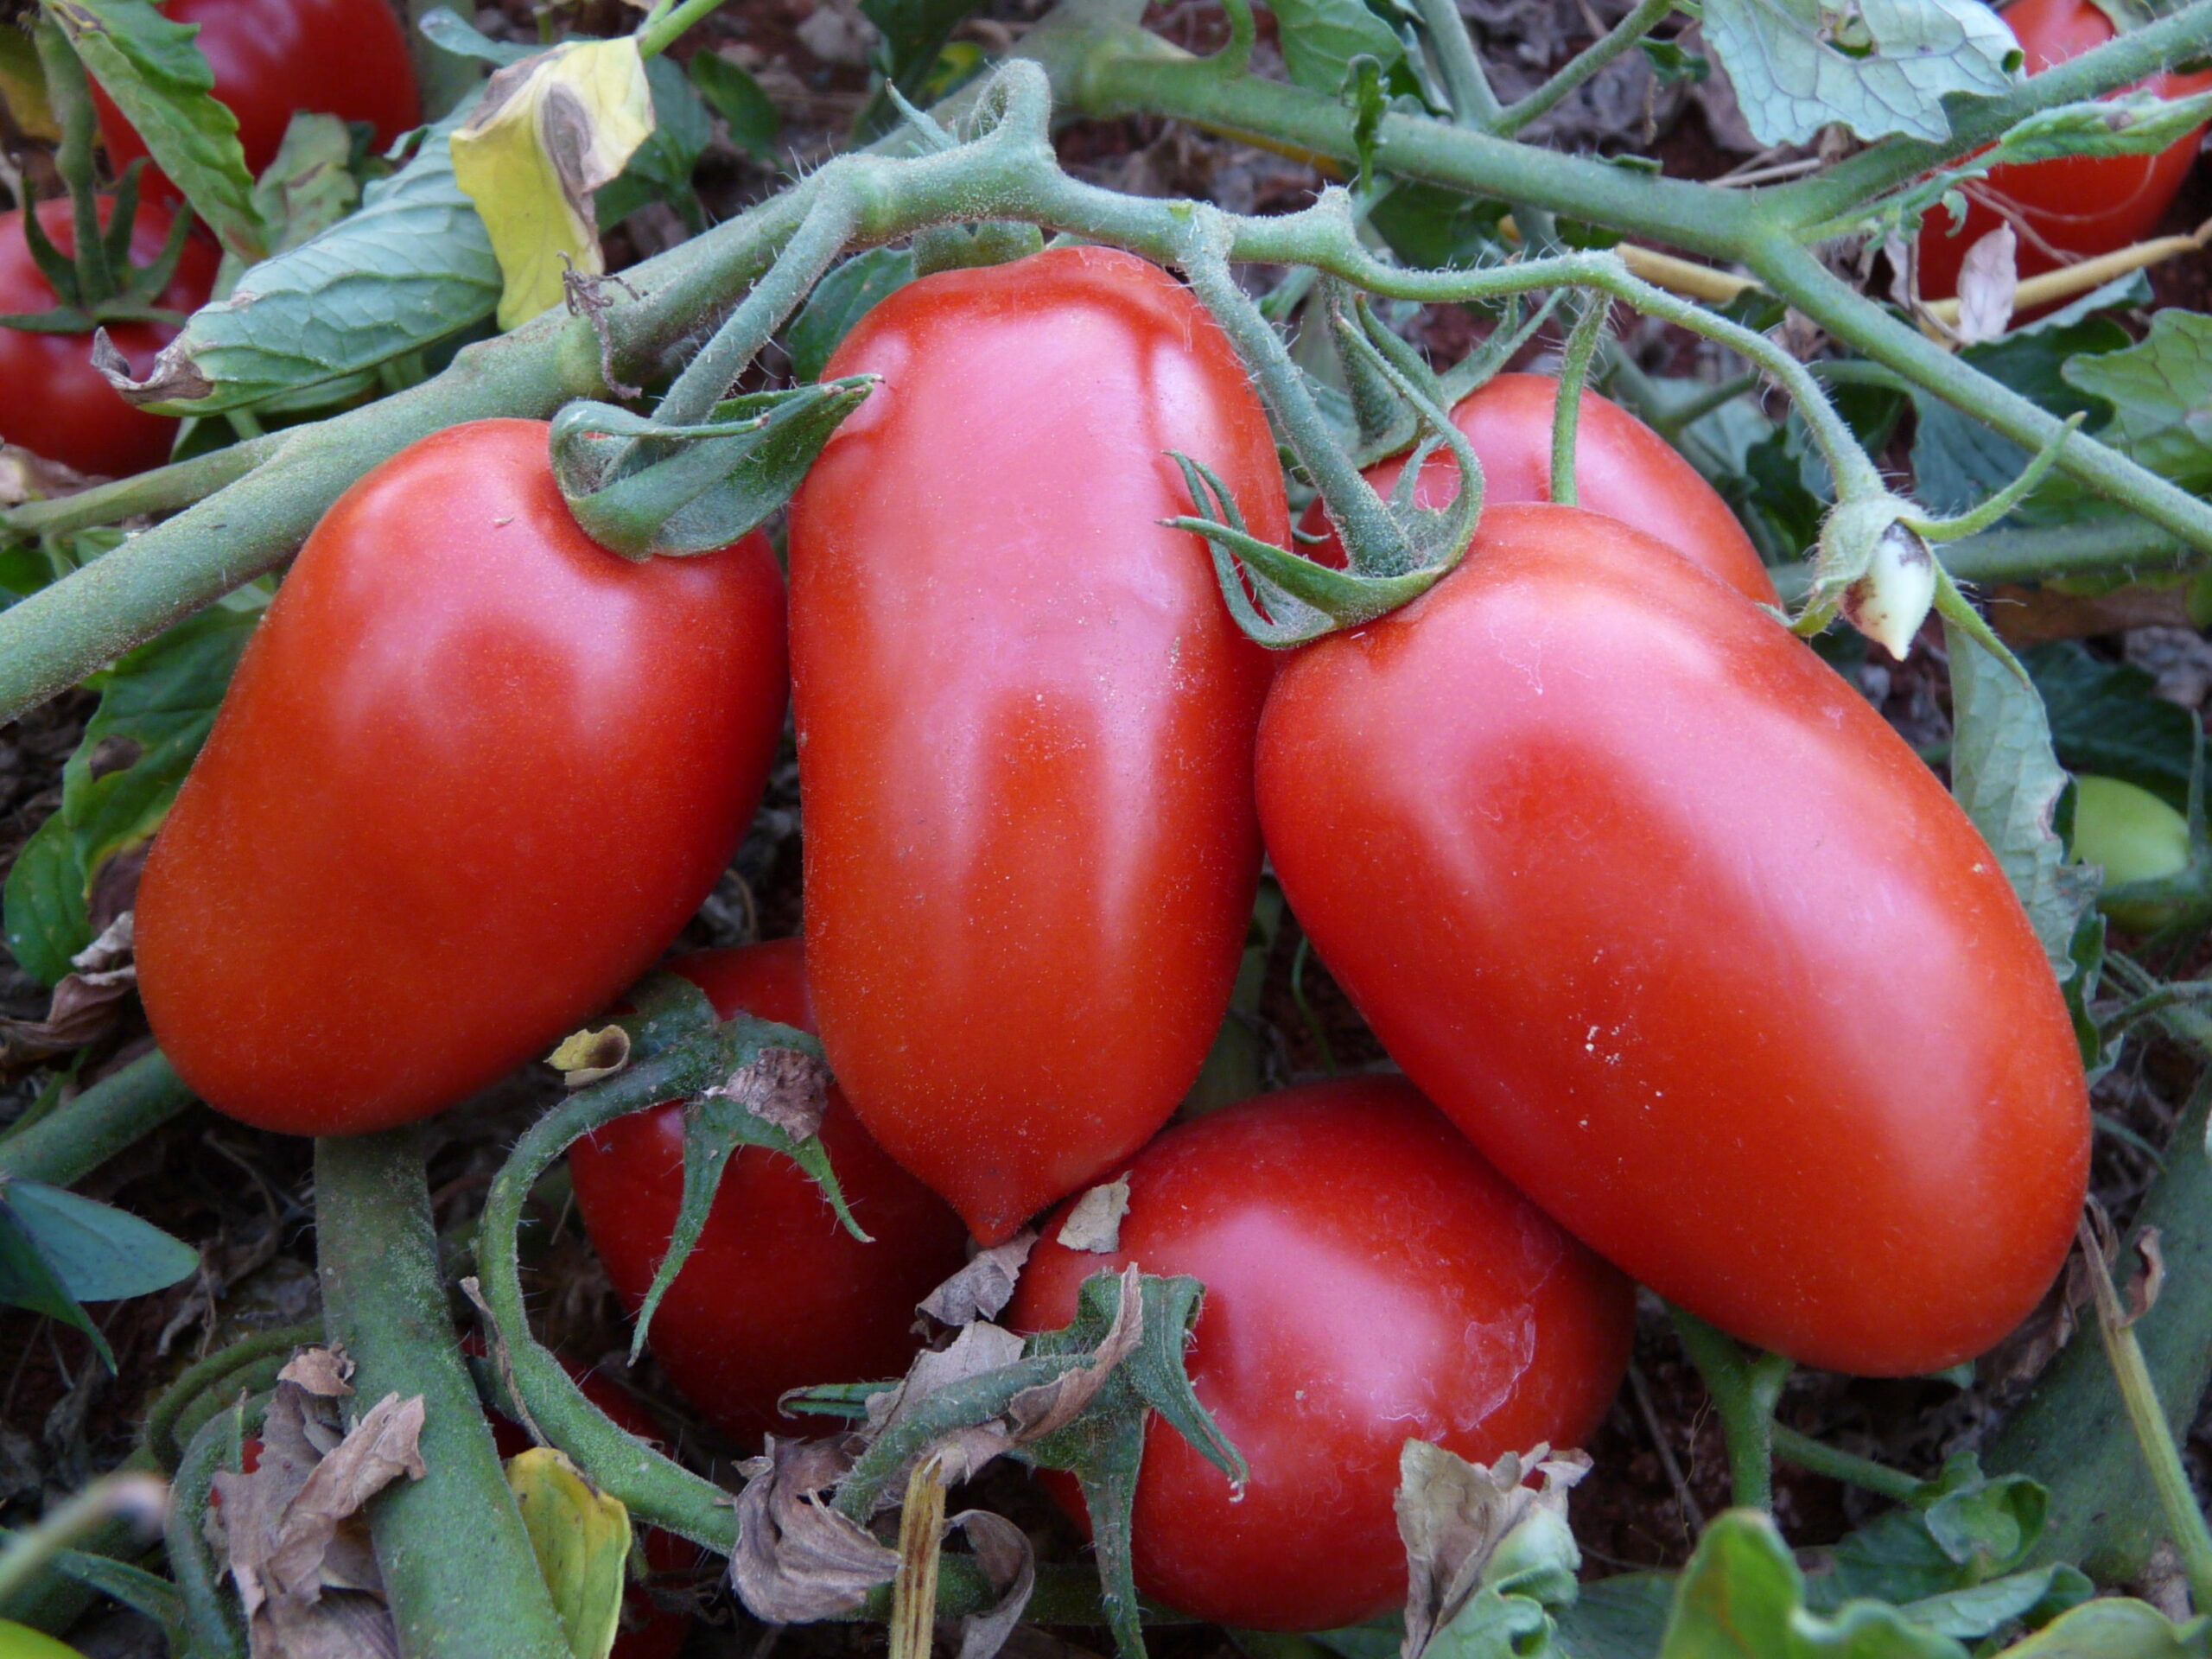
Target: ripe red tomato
[
  {"x": 52, "y": 399},
  {"x": 1369, "y": 1279},
  {"x": 271, "y": 58},
  {"x": 1025, "y": 720},
  {"x": 1622, "y": 468},
  {"x": 473, "y": 773},
  {"x": 1660, "y": 912},
  {"x": 776, "y": 1294},
  {"x": 2072, "y": 209}
]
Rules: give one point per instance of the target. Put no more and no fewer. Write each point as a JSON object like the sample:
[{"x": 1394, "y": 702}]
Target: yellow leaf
[
  {"x": 22, "y": 88},
  {"x": 20, "y": 1642},
  {"x": 551, "y": 130},
  {"x": 582, "y": 1537}
]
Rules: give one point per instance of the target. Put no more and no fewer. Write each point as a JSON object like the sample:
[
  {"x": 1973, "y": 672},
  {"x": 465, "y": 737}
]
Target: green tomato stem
[
  {"x": 2184, "y": 1520},
  {"x": 211, "y": 1614},
  {"x": 668, "y": 24},
  {"x": 1645, "y": 17},
  {"x": 1582, "y": 343},
  {"x": 1824, "y": 1459},
  {"x": 213, "y": 1385},
  {"x": 1453, "y": 49},
  {"x": 1745, "y": 1390},
  {"x": 164, "y": 489},
  {"x": 458, "y": 1567},
  {"x": 80, "y": 1134}
]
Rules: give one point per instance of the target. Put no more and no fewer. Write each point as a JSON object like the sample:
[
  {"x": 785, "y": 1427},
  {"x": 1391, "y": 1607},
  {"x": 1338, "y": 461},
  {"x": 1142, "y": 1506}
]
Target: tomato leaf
[
  {"x": 1320, "y": 39},
  {"x": 161, "y": 82},
  {"x": 548, "y": 132},
  {"x": 1882, "y": 68},
  {"x": 308, "y": 187},
  {"x": 2160, "y": 392},
  {"x": 913, "y": 32},
  {"x": 582, "y": 1539},
  {"x": 99, "y": 1253},
  {"x": 839, "y": 300},
  {"x": 732, "y": 94},
  {"x": 156, "y": 705},
  {"x": 446, "y": 30},
  {"x": 413, "y": 267},
  {"x": 1741, "y": 1597},
  {"x": 2116, "y": 1629},
  {"x": 2004, "y": 774}
]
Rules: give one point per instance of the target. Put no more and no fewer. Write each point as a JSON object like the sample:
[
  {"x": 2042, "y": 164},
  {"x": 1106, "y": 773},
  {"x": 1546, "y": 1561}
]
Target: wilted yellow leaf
[
  {"x": 551, "y": 130},
  {"x": 582, "y": 1537}
]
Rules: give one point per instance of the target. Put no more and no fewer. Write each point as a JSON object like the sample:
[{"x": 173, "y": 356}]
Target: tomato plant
[
  {"x": 1689, "y": 942},
  {"x": 275, "y": 58},
  {"x": 473, "y": 774},
  {"x": 1622, "y": 468},
  {"x": 776, "y": 1294},
  {"x": 2070, "y": 207},
  {"x": 1025, "y": 721},
  {"x": 52, "y": 399},
  {"x": 1369, "y": 1279}
]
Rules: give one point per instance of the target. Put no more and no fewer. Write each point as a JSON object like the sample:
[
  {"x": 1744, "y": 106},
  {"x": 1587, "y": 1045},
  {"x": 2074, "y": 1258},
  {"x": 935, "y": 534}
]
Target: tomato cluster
[{"x": 1707, "y": 976}]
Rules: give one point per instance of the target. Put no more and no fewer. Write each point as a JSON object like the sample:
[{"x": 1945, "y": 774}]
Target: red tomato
[
  {"x": 1369, "y": 1279},
  {"x": 473, "y": 773},
  {"x": 1622, "y": 468},
  {"x": 271, "y": 58},
  {"x": 1025, "y": 720},
  {"x": 1701, "y": 955},
  {"x": 776, "y": 1294},
  {"x": 52, "y": 399},
  {"x": 2072, "y": 209}
]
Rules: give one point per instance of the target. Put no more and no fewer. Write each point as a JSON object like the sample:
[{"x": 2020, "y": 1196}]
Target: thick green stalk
[
  {"x": 2072, "y": 1433},
  {"x": 79, "y": 1136},
  {"x": 163, "y": 490},
  {"x": 1744, "y": 1389},
  {"x": 458, "y": 1567}
]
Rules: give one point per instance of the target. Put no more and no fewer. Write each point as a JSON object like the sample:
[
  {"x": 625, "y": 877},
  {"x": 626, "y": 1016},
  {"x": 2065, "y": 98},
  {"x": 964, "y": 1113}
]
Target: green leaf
[
  {"x": 1428, "y": 226},
  {"x": 840, "y": 300},
  {"x": 1320, "y": 38},
  {"x": 913, "y": 31},
  {"x": 1981, "y": 1609},
  {"x": 699, "y": 487},
  {"x": 2004, "y": 774},
  {"x": 1670, "y": 63},
  {"x": 445, "y": 29},
  {"x": 156, "y": 705},
  {"x": 26, "y": 1280},
  {"x": 161, "y": 82},
  {"x": 2161, "y": 394},
  {"x": 734, "y": 94},
  {"x": 415, "y": 266},
  {"x": 2116, "y": 1629},
  {"x": 661, "y": 168},
  {"x": 308, "y": 187},
  {"x": 2137, "y": 122},
  {"x": 97, "y": 1252},
  {"x": 1880, "y": 67},
  {"x": 1621, "y": 1617},
  {"x": 2108, "y": 718},
  {"x": 1741, "y": 1597}
]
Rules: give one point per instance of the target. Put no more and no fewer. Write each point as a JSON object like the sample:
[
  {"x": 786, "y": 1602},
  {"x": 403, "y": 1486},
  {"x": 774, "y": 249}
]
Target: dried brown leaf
[
  {"x": 796, "y": 1558},
  {"x": 1989, "y": 278},
  {"x": 322, "y": 1371},
  {"x": 1095, "y": 1223},
  {"x": 586, "y": 1057},
  {"x": 1035, "y": 1413},
  {"x": 979, "y": 1290},
  {"x": 1453, "y": 1514},
  {"x": 1002, "y": 1550},
  {"x": 87, "y": 1003}
]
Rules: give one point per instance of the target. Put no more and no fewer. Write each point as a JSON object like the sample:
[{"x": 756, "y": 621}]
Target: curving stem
[{"x": 1745, "y": 1389}]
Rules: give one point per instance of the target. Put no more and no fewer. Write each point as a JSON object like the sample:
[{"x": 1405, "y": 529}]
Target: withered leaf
[
  {"x": 979, "y": 1290},
  {"x": 322, "y": 1371},
  {"x": 1003, "y": 1551},
  {"x": 293, "y": 1532},
  {"x": 1040, "y": 1411},
  {"x": 586, "y": 1057},
  {"x": 786, "y": 1087},
  {"x": 1095, "y": 1224},
  {"x": 796, "y": 1558},
  {"x": 1453, "y": 1516},
  {"x": 87, "y": 1003}
]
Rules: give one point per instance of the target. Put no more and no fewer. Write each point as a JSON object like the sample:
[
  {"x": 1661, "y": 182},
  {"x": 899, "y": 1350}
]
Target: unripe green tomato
[{"x": 2136, "y": 837}]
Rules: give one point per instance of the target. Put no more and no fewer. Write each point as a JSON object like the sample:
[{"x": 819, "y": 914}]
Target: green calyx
[{"x": 643, "y": 488}]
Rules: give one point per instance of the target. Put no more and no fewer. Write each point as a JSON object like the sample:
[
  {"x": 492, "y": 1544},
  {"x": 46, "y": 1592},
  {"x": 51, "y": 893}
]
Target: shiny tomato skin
[
  {"x": 1025, "y": 720},
  {"x": 1622, "y": 468},
  {"x": 53, "y": 401},
  {"x": 2080, "y": 207},
  {"x": 1659, "y": 910},
  {"x": 1369, "y": 1279},
  {"x": 776, "y": 1294},
  {"x": 273, "y": 58},
  {"x": 473, "y": 773}
]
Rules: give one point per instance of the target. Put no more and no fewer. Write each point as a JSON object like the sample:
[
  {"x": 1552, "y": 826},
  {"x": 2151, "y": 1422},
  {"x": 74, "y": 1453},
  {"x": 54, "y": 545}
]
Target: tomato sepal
[{"x": 644, "y": 489}]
